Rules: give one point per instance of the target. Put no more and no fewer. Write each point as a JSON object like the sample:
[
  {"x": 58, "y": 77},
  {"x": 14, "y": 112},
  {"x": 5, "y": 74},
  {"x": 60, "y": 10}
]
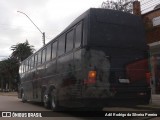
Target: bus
[{"x": 89, "y": 64}]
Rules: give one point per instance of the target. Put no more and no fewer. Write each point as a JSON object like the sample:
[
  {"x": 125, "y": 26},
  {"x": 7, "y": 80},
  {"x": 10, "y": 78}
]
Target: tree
[
  {"x": 9, "y": 72},
  {"x": 21, "y": 51},
  {"x": 9, "y": 67},
  {"x": 121, "y": 5}
]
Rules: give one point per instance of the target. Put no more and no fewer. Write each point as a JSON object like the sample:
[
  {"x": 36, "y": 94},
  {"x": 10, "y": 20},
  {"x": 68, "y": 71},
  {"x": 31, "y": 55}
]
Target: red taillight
[
  {"x": 91, "y": 77},
  {"x": 148, "y": 77}
]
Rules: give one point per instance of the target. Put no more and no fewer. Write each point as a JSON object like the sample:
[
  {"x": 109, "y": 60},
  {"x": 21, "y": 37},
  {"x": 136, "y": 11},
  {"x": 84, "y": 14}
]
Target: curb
[{"x": 8, "y": 94}]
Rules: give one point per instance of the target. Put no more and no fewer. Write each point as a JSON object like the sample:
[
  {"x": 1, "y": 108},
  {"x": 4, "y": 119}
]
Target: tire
[
  {"x": 54, "y": 101},
  {"x": 46, "y": 101},
  {"x": 23, "y": 97}
]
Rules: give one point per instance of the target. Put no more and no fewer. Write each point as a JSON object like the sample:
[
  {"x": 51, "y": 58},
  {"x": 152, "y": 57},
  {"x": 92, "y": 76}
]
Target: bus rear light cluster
[{"x": 91, "y": 77}]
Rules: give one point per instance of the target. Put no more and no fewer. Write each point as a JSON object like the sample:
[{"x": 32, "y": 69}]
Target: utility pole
[{"x": 43, "y": 33}]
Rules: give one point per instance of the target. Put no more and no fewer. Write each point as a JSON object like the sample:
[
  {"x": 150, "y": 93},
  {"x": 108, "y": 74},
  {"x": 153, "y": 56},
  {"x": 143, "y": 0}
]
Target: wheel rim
[
  {"x": 53, "y": 102},
  {"x": 45, "y": 100},
  {"x": 22, "y": 95},
  {"x": 23, "y": 99}
]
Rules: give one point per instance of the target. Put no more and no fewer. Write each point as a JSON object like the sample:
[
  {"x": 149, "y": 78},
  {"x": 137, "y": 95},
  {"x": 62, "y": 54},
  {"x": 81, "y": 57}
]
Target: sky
[{"x": 51, "y": 16}]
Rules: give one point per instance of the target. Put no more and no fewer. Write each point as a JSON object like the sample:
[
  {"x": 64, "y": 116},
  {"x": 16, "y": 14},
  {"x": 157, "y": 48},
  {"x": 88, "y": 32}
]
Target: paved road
[{"x": 12, "y": 103}]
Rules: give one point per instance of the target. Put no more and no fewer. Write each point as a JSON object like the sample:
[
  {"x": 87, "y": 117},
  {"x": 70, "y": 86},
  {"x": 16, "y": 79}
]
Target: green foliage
[
  {"x": 9, "y": 67},
  {"x": 21, "y": 51},
  {"x": 8, "y": 72},
  {"x": 121, "y": 5}
]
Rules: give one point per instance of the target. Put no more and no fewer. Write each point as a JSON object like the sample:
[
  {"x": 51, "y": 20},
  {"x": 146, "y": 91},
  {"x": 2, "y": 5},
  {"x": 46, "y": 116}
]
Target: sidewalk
[
  {"x": 155, "y": 99},
  {"x": 8, "y": 93}
]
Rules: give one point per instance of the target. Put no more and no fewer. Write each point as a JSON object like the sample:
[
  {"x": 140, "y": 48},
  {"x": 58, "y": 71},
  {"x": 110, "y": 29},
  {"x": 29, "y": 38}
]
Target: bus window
[
  {"x": 43, "y": 55},
  {"x": 54, "y": 49},
  {"x": 32, "y": 62},
  {"x": 20, "y": 69},
  {"x": 39, "y": 58},
  {"x": 78, "y": 36},
  {"x": 48, "y": 55},
  {"x": 24, "y": 69},
  {"x": 35, "y": 60},
  {"x": 29, "y": 64},
  {"x": 69, "y": 40},
  {"x": 61, "y": 45},
  {"x": 26, "y": 65}
]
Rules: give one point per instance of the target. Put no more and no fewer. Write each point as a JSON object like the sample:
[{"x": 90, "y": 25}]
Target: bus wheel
[
  {"x": 46, "y": 101},
  {"x": 54, "y": 102},
  {"x": 23, "y": 97}
]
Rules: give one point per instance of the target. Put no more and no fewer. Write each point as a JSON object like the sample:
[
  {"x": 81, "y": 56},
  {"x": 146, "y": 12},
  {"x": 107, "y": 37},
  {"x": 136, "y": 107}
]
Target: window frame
[
  {"x": 49, "y": 52},
  {"x": 43, "y": 52},
  {"x": 56, "y": 52},
  {"x": 39, "y": 62},
  {"x": 66, "y": 43},
  {"x": 81, "y": 42},
  {"x": 36, "y": 60},
  {"x": 64, "y": 48}
]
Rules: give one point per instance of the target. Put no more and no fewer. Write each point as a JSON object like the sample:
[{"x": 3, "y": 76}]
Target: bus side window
[
  {"x": 43, "y": 55},
  {"x": 26, "y": 63},
  {"x": 61, "y": 45},
  {"x": 35, "y": 60},
  {"x": 32, "y": 62},
  {"x": 24, "y": 67},
  {"x": 78, "y": 39},
  {"x": 29, "y": 64},
  {"x": 39, "y": 58},
  {"x": 54, "y": 49},
  {"x": 69, "y": 40},
  {"x": 20, "y": 69},
  {"x": 48, "y": 54}
]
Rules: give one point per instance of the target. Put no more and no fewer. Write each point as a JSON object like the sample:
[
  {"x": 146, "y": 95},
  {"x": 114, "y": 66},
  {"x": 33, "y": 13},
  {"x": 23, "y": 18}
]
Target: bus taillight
[{"x": 91, "y": 77}]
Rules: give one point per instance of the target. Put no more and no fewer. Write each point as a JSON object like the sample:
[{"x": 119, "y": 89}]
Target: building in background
[
  {"x": 151, "y": 20},
  {"x": 152, "y": 26}
]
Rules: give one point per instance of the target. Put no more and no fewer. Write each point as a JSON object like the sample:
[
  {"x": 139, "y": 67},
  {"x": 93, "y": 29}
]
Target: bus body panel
[{"x": 112, "y": 43}]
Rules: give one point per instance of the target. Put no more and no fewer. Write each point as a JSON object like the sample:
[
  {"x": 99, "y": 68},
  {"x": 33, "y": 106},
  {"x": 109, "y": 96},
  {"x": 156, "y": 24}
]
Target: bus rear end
[{"x": 115, "y": 59}]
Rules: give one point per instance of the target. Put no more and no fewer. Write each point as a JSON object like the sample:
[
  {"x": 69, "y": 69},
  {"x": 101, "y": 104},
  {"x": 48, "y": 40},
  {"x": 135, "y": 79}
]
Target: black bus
[{"x": 90, "y": 63}]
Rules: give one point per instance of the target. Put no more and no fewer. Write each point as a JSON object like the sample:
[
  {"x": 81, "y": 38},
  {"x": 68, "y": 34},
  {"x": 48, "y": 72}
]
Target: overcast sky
[{"x": 51, "y": 16}]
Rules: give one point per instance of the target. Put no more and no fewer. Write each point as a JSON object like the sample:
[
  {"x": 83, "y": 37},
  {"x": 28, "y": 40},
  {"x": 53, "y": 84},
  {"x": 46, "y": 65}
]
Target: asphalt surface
[{"x": 10, "y": 102}]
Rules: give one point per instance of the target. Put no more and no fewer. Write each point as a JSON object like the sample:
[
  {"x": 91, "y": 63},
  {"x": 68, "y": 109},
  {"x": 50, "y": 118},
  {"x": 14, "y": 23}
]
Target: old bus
[{"x": 92, "y": 62}]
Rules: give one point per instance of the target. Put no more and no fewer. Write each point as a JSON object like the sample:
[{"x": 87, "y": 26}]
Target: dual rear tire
[
  {"x": 23, "y": 97},
  {"x": 50, "y": 100}
]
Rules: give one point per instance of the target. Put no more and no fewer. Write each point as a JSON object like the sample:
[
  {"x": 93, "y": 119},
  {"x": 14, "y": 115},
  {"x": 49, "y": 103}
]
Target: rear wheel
[
  {"x": 46, "y": 101},
  {"x": 54, "y": 101},
  {"x": 23, "y": 97}
]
